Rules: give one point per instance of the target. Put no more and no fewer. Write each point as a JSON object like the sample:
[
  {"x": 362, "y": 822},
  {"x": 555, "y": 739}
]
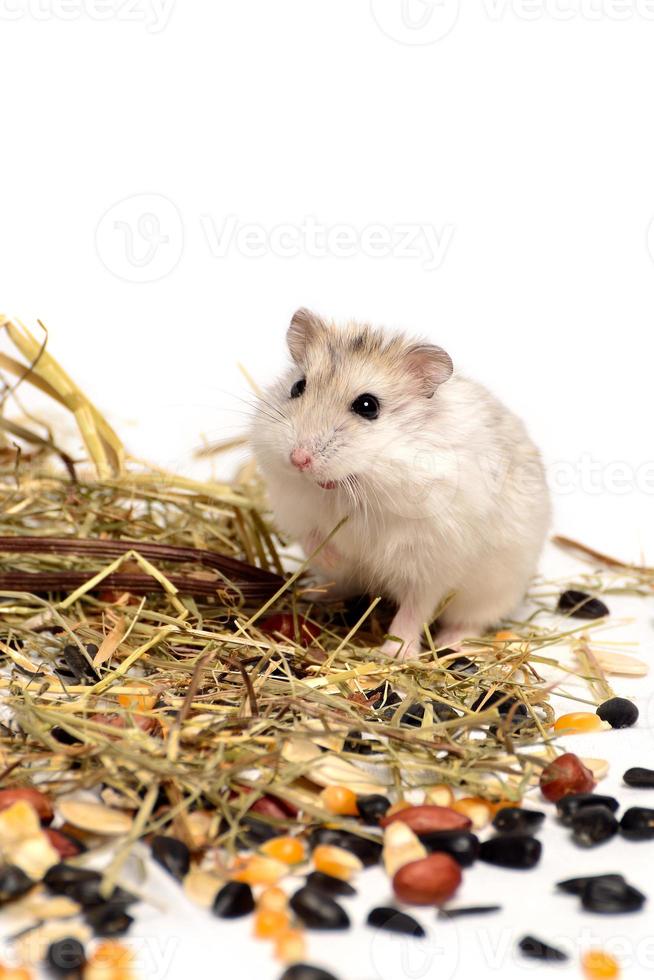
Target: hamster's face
[{"x": 354, "y": 397}]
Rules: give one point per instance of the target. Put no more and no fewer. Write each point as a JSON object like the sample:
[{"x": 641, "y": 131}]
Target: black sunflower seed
[
  {"x": 329, "y": 885},
  {"x": 234, "y": 900},
  {"x": 611, "y": 897},
  {"x": 368, "y": 851},
  {"x": 444, "y": 712},
  {"x": 643, "y": 778},
  {"x": 78, "y": 665},
  {"x": 511, "y": 851},
  {"x": 383, "y": 696},
  {"x": 581, "y": 605},
  {"x": 372, "y": 807},
  {"x": 392, "y": 920},
  {"x": 508, "y": 704},
  {"x": 108, "y": 920},
  {"x": 459, "y": 844},
  {"x": 576, "y": 886},
  {"x": 593, "y": 825},
  {"x": 13, "y": 883},
  {"x": 83, "y": 886},
  {"x": 466, "y": 910},
  {"x": 173, "y": 855},
  {"x": 515, "y": 820},
  {"x": 304, "y": 971},
  {"x": 619, "y": 712},
  {"x": 254, "y": 831},
  {"x": 318, "y": 911},
  {"x": 66, "y": 958},
  {"x": 637, "y": 823},
  {"x": 536, "y": 949},
  {"x": 361, "y": 746},
  {"x": 568, "y": 807},
  {"x": 61, "y": 735}
]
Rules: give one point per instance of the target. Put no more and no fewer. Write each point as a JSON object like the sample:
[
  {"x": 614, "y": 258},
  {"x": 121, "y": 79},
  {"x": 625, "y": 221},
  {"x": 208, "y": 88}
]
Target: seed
[
  {"x": 396, "y": 807},
  {"x": 201, "y": 887},
  {"x": 329, "y": 884},
  {"x": 65, "y": 846},
  {"x": 401, "y": 846},
  {"x": 372, "y": 807},
  {"x": 576, "y": 886},
  {"x": 422, "y": 819},
  {"x": 512, "y": 820},
  {"x": 643, "y": 778},
  {"x": 429, "y": 881},
  {"x": 95, "y": 817},
  {"x": 283, "y": 623},
  {"x": 459, "y": 844},
  {"x": 581, "y": 605},
  {"x": 368, "y": 851},
  {"x": 361, "y": 746},
  {"x": 83, "y": 886},
  {"x": 610, "y": 897},
  {"x": 598, "y": 767},
  {"x": 593, "y": 825},
  {"x": 619, "y": 663},
  {"x": 392, "y": 920},
  {"x": 504, "y": 704},
  {"x": 137, "y": 701},
  {"x": 172, "y": 854},
  {"x": 475, "y": 808},
  {"x": 340, "y": 800},
  {"x": 272, "y": 899},
  {"x": 336, "y": 861},
  {"x": 234, "y": 900},
  {"x": 261, "y": 870},
  {"x": 577, "y": 721},
  {"x": 39, "y": 801},
  {"x": 637, "y": 823},
  {"x": 108, "y": 920},
  {"x": 13, "y": 883},
  {"x": 78, "y": 665},
  {"x": 66, "y": 957},
  {"x": 289, "y": 850},
  {"x": 565, "y": 775},
  {"x": 270, "y": 923},
  {"x": 303, "y": 971},
  {"x": 290, "y": 946},
  {"x": 497, "y": 805},
  {"x": 619, "y": 712},
  {"x": 511, "y": 851},
  {"x": 440, "y": 794},
  {"x": 536, "y": 949},
  {"x": 467, "y": 910},
  {"x": 598, "y": 965},
  {"x": 318, "y": 911},
  {"x": 568, "y": 807}
]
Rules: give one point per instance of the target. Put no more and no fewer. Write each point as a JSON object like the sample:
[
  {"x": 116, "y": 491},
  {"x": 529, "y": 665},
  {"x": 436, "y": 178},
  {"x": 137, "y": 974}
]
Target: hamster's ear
[
  {"x": 430, "y": 365},
  {"x": 304, "y": 328}
]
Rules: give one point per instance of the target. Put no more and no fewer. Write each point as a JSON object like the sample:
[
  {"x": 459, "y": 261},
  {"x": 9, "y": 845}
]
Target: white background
[{"x": 163, "y": 161}]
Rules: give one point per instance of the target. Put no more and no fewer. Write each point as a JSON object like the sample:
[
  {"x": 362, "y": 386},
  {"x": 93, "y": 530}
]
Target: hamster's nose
[{"x": 301, "y": 459}]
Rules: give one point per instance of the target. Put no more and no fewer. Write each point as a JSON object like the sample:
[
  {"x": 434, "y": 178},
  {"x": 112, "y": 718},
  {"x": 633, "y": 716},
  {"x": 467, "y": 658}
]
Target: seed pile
[{"x": 167, "y": 685}]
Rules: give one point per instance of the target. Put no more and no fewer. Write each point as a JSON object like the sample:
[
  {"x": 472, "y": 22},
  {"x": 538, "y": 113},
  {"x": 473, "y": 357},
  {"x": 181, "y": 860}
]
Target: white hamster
[{"x": 444, "y": 492}]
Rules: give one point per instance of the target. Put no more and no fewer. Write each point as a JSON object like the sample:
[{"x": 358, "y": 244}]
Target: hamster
[{"x": 444, "y": 492}]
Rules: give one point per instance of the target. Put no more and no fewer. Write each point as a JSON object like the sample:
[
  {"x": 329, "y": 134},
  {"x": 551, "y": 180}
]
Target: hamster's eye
[
  {"x": 367, "y": 406},
  {"x": 298, "y": 388}
]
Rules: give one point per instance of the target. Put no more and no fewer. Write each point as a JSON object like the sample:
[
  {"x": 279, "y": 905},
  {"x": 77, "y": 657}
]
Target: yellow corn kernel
[
  {"x": 270, "y": 923},
  {"x": 290, "y": 850},
  {"x": 340, "y": 800},
  {"x": 290, "y": 946},
  {"x": 401, "y": 846},
  {"x": 396, "y": 807},
  {"x": 110, "y": 961},
  {"x": 336, "y": 861},
  {"x": 578, "y": 721},
  {"x": 137, "y": 701},
  {"x": 504, "y": 635},
  {"x": 15, "y": 973},
  {"x": 273, "y": 899},
  {"x": 261, "y": 870},
  {"x": 497, "y": 805},
  {"x": 599, "y": 966},
  {"x": 441, "y": 795},
  {"x": 475, "y": 808}
]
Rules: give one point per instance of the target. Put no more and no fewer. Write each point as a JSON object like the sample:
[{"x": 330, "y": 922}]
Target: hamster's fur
[{"x": 444, "y": 491}]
